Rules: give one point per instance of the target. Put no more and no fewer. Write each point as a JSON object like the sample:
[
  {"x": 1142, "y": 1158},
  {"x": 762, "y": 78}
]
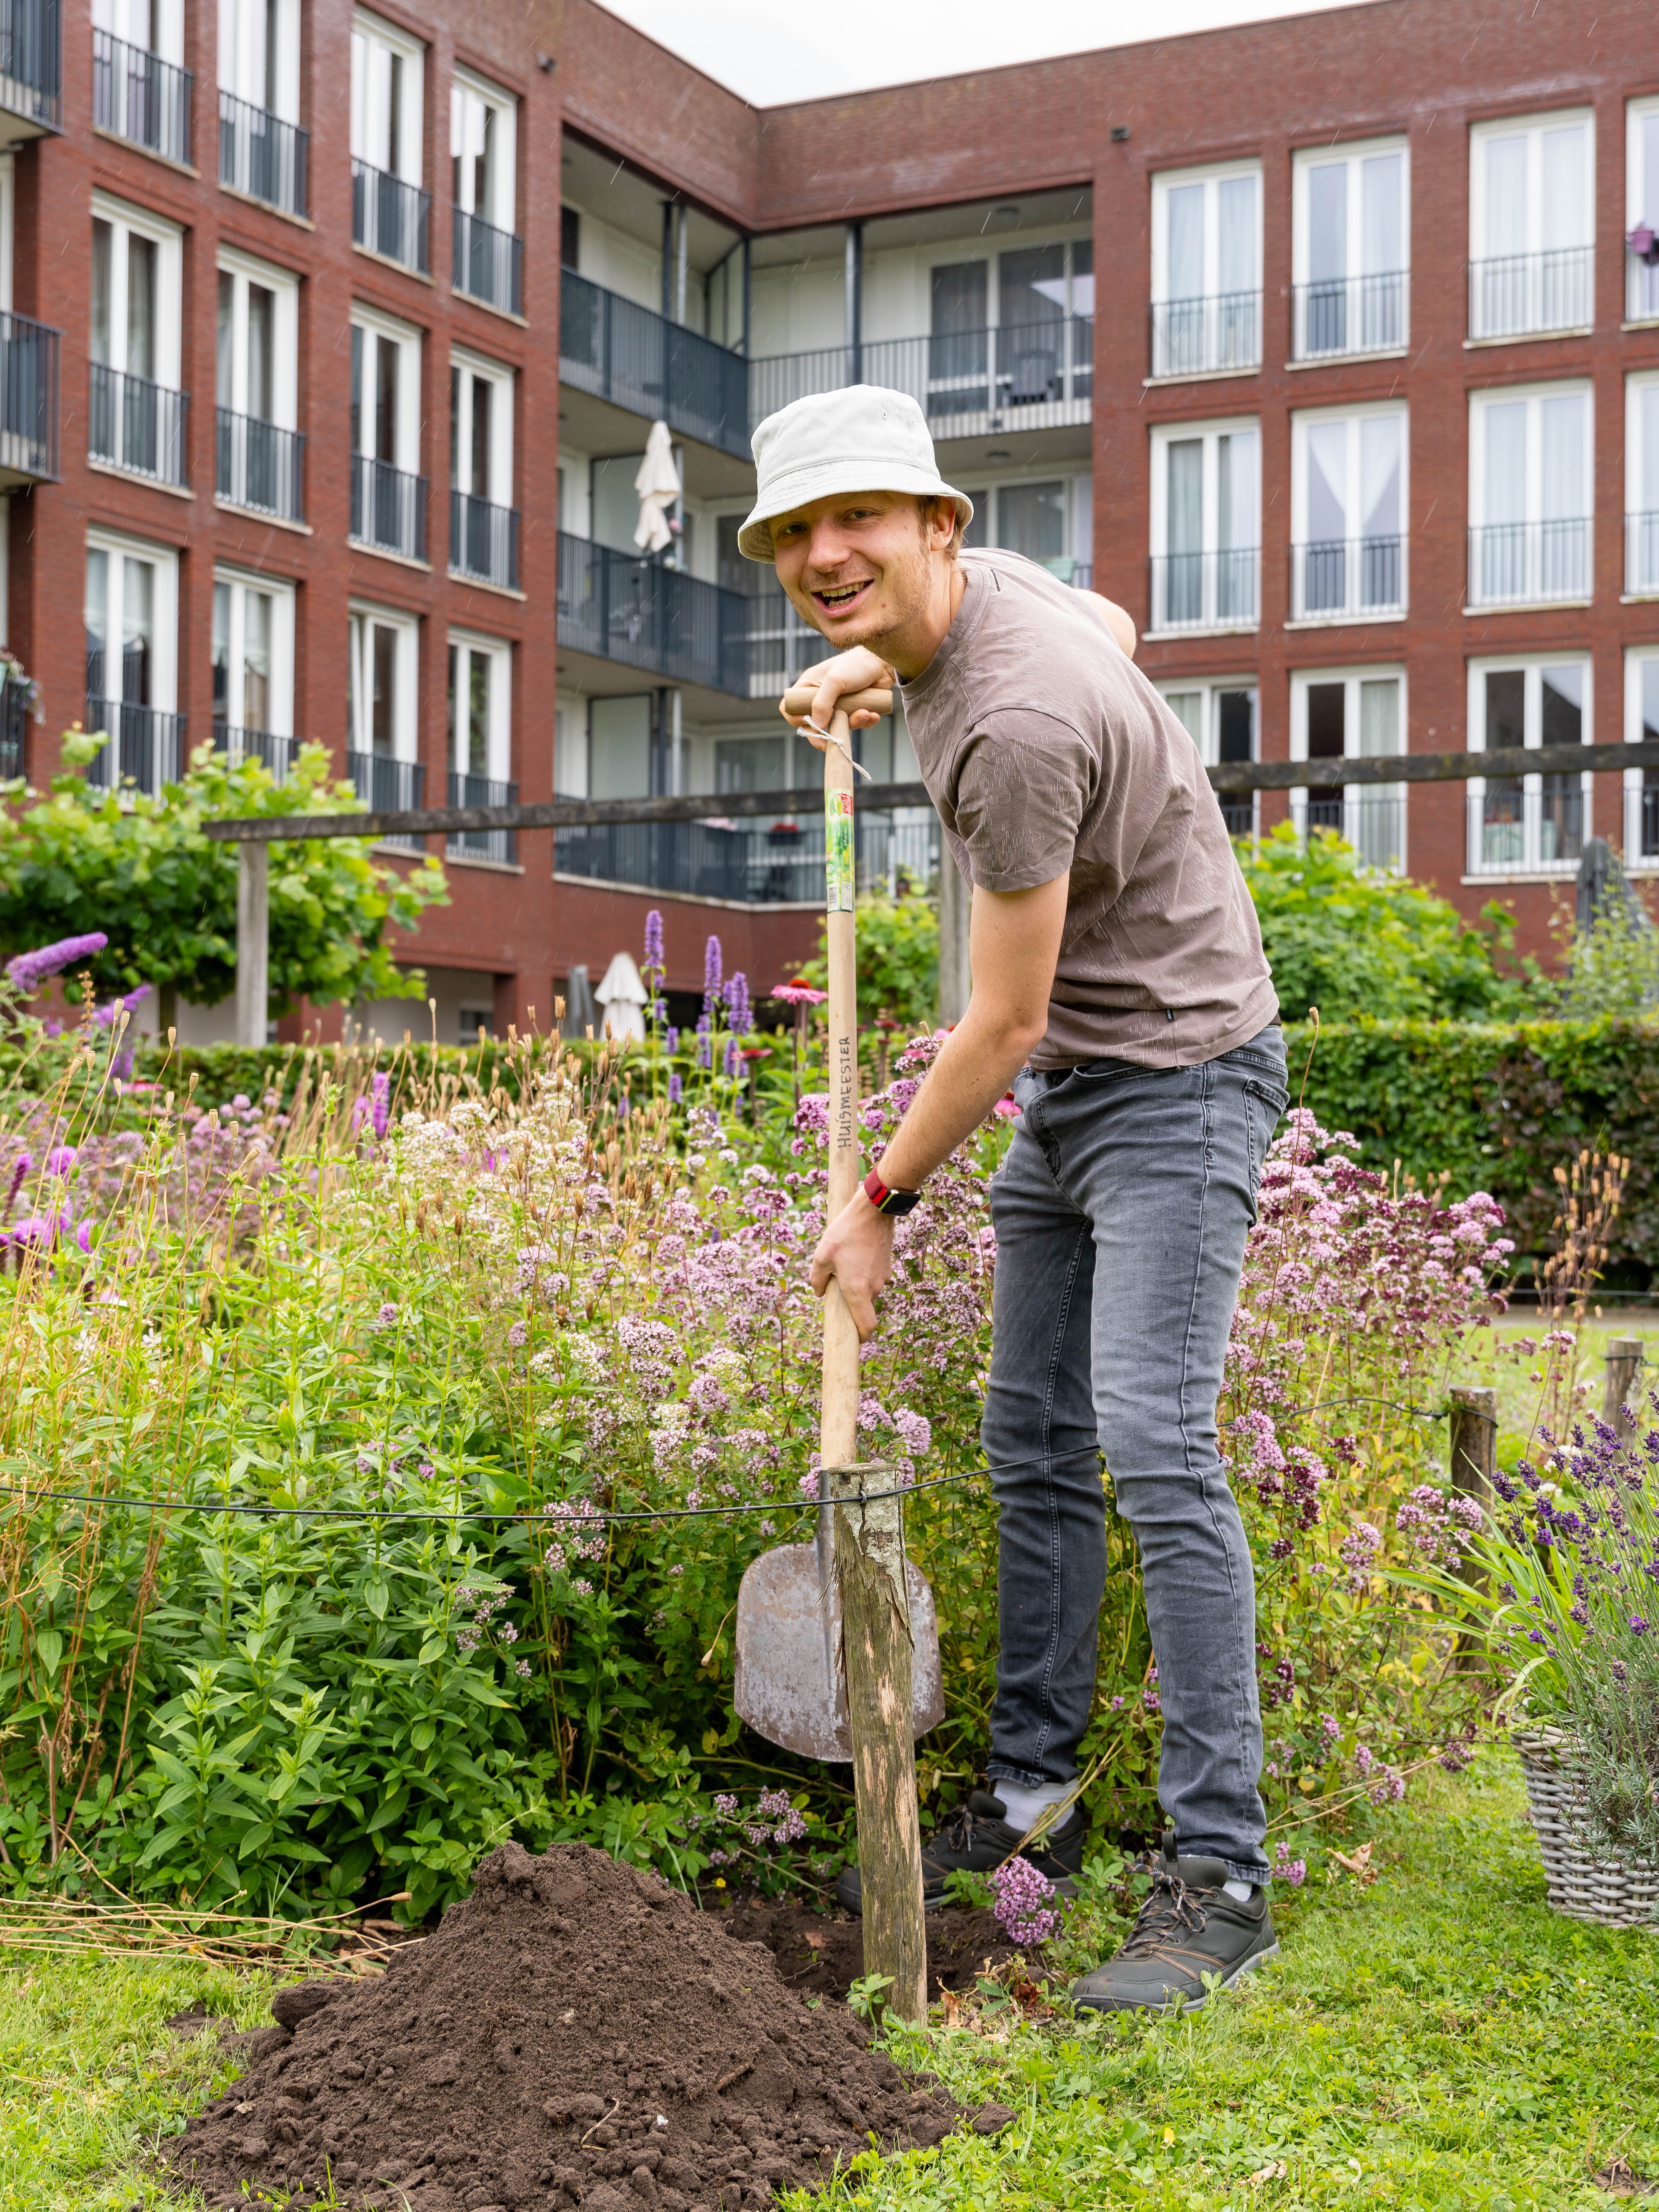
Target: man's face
[{"x": 859, "y": 566}]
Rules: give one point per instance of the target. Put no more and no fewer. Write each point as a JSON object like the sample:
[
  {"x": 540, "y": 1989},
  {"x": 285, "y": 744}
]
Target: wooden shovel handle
[
  {"x": 838, "y": 1414},
  {"x": 797, "y": 700}
]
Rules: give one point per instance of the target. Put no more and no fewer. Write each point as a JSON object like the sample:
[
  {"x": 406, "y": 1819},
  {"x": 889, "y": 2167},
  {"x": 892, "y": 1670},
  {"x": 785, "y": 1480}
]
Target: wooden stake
[
  {"x": 1624, "y": 1357},
  {"x": 1475, "y": 1442}
]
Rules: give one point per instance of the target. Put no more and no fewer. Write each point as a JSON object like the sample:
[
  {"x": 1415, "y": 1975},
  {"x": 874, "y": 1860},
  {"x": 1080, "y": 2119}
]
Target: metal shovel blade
[{"x": 790, "y": 1687}]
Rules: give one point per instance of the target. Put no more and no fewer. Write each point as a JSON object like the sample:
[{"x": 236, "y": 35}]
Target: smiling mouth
[{"x": 838, "y": 598}]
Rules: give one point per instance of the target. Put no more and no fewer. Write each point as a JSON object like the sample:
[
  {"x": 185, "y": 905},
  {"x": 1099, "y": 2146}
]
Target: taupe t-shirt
[{"x": 1047, "y": 751}]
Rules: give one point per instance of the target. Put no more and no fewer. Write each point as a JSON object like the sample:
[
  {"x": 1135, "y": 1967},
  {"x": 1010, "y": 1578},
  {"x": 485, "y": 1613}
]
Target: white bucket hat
[{"x": 863, "y": 438}]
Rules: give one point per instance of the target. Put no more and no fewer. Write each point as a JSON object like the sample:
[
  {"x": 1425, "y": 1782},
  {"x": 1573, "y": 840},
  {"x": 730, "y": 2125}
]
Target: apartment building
[{"x": 1328, "y": 346}]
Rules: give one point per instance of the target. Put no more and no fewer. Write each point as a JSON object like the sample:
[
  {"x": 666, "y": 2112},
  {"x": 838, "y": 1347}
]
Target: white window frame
[
  {"x": 370, "y": 119},
  {"x": 1207, "y": 689},
  {"x": 1384, "y": 315},
  {"x": 1221, "y": 352},
  {"x": 169, "y": 240},
  {"x": 1532, "y": 395},
  {"x": 1353, "y": 609},
  {"x": 164, "y": 611},
  {"x": 244, "y": 270},
  {"x": 1356, "y": 797},
  {"x": 1637, "y": 657},
  {"x": 463, "y": 644},
  {"x": 1533, "y": 663},
  {"x": 8, "y": 217},
  {"x": 282, "y": 596},
  {"x": 465, "y": 85},
  {"x": 1529, "y": 313},
  {"x": 407, "y": 338},
  {"x": 167, "y": 27},
  {"x": 1641, "y": 515},
  {"x": 406, "y": 718},
  {"x": 500, "y": 378},
  {"x": 1641, "y": 206},
  {"x": 241, "y": 70},
  {"x": 1164, "y": 436}
]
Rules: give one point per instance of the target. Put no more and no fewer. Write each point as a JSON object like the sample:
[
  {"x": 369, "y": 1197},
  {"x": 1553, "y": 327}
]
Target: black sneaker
[
  {"x": 1188, "y": 1927},
  {"x": 976, "y": 1836}
]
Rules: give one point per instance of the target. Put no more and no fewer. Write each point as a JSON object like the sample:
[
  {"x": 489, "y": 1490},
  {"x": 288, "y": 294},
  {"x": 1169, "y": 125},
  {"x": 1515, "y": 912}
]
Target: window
[
  {"x": 258, "y": 449},
  {"x": 388, "y": 496},
  {"x": 1012, "y": 331},
  {"x": 1348, "y": 514},
  {"x": 389, "y": 207},
  {"x": 1642, "y": 783},
  {"x": 261, "y": 151},
  {"x": 752, "y": 763},
  {"x": 1206, "y": 526},
  {"x": 139, "y": 90},
  {"x": 570, "y": 238},
  {"x": 483, "y": 525},
  {"x": 1523, "y": 823},
  {"x": 480, "y": 720},
  {"x": 137, "y": 415},
  {"x": 483, "y": 133},
  {"x": 1642, "y": 485},
  {"x": 1532, "y": 211},
  {"x": 1530, "y": 507},
  {"x": 132, "y": 667},
  {"x": 382, "y": 671},
  {"x": 1642, "y": 209},
  {"x": 1352, "y": 715},
  {"x": 1031, "y": 519},
  {"x": 1206, "y": 271},
  {"x": 1219, "y": 714},
  {"x": 253, "y": 669},
  {"x": 1351, "y": 244}
]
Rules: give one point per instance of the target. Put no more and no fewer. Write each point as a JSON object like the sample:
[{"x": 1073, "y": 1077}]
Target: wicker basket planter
[{"x": 1616, "y": 1893}]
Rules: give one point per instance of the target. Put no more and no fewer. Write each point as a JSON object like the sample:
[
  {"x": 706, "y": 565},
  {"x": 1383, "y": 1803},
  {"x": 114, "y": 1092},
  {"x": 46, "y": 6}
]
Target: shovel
[{"x": 792, "y": 1679}]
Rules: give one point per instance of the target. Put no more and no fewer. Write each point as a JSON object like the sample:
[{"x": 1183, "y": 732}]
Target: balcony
[
  {"x": 1205, "y": 591},
  {"x": 28, "y": 400},
  {"x": 146, "y": 747},
  {"x": 617, "y": 350},
  {"x": 388, "y": 786},
  {"x": 969, "y": 384},
  {"x": 1216, "y": 335},
  {"x": 748, "y": 863},
  {"x": 1526, "y": 295},
  {"x": 1373, "y": 822},
  {"x": 1642, "y": 556},
  {"x": 277, "y": 754},
  {"x": 31, "y": 69},
  {"x": 261, "y": 155},
  {"x": 501, "y": 846},
  {"x": 488, "y": 263},
  {"x": 138, "y": 96},
  {"x": 15, "y": 713},
  {"x": 483, "y": 542},
  {"x": 659, "y": 620},
  {"x": 1524, "y": 564},
  {"x": 135, "y": 425},
  {"x": 259, "y": 466},
  {"x": 391, "y": 218},
  {"x": 1515, "y": 832},
  {"x": 1351, "y": 314},
  {"x": 1347, "y": 580},
  {"x": 388, "y": 508}
]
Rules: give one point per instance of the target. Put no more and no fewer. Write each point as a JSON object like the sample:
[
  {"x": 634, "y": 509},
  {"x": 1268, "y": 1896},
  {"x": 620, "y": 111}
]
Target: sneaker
[
  {"x": 976, "y": 1836},
  {"x": 1188, "y": 1927}
]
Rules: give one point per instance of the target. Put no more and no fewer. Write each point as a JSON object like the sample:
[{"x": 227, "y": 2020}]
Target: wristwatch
[{"x": 889, "y": 1201}]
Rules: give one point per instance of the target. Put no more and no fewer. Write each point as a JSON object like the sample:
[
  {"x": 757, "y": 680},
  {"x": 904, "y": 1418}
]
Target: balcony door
[
  {"x": 259, "y": 55},
  {"x": 1348, "y": 504},
  {"x": 253, "y": 669},
  {"x": 387, "y": 99},
  {"x": 1206, "y": 271},
  {"x": 1530, "y": 506},
  {"x": 1346, "y": 714},
  {"x": 131, "y": 660},
  {"x": 1206, "y": 526},
  {"x": 483, "y": 148},
  {"x": 1532, "y": 205},
  {"x": 1353, "y": 251}
]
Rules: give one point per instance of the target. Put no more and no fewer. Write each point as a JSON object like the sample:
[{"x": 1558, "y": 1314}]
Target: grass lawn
[{"x": 1439, "y": 2040}]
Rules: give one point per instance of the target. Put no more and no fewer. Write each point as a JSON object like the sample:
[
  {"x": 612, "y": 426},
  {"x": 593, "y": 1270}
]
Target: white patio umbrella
[
  {"x": 622, "y": 996},
  {"x": 657, "y": 481}
]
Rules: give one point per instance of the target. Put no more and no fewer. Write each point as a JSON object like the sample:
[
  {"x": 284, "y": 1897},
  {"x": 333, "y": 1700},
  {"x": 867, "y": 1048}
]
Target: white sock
[
  {"x": 1242, "y": 1890},
  {"x": 1020, "y": 1808}
]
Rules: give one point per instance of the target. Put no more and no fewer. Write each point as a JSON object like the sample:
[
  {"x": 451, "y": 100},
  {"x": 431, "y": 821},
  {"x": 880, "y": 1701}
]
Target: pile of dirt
[
  {"x": 576, "y": 2033},
  {"x": 819, "y": 1957}
]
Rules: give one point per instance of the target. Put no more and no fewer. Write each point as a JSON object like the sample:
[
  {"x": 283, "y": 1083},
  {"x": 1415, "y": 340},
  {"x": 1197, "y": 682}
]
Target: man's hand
[
  {"x": 857, "y": 1249},
  {"x": 858, "y": 670}
]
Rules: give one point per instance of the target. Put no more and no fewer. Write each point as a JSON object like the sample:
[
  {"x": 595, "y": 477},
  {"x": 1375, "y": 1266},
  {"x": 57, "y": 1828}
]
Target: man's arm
[
  {"x": 1116, "y": 619},
  {"x": 1013, "y": 944}
]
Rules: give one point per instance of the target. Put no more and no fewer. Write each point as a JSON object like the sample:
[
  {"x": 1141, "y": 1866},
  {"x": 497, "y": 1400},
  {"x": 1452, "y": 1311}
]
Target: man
[{"x": 1118, "y": 974}]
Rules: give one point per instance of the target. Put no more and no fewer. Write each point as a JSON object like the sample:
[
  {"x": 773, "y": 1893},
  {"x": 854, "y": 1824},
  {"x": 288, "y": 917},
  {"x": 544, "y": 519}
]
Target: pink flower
[{"x": 798, "y": 994}]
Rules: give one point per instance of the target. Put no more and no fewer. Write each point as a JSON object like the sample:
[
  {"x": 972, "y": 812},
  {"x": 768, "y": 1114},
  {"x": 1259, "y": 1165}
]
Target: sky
[{"x": 769, "y": 51}]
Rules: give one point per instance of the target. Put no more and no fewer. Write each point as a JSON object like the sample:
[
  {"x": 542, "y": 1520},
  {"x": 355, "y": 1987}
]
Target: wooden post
[
  {"x": 868, "y": 1539},
  {"x": 1474, "y": 1443},
  {"x": 252, "y": 942},
  {"x": 1624, "y": 1356},
  {"x": 955, "y": 908}
]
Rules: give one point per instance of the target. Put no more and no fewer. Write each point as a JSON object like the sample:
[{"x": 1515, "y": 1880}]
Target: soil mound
[
  {"x": 822, "y": 1958},
  {"x": 576, "y": 2033}
]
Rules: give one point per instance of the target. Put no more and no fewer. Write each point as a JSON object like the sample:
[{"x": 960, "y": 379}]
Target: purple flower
[
  {"x": 20, "y": 1168},
  {"x": 106, "y": 1017},
  {"x": 731, "y": 1063},
  {"x": 712, "y": 972},
  {"x": 30, "y": 969},
  {"x": 705, "y": 1044},
  {"x": 1026, "y": 1908},
  {"x": 672, "y": 1039},
  {"x": 1638, "y": 1625},
  {"x": 380, "y": 1089},
  {"x": 738, "y": 1013},
  {"x": 60, "y": 1160},
  {"x": 675, "y": 1087},
  {"x": 654, "y": 939}
]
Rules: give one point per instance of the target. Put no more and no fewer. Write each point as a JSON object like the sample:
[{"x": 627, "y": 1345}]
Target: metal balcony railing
[
  {"x": 499, "y": 845},
  {"x": 388, "y": 786},
  {"x": 391, "y": 217},
  {"x": 1345, "y": 579},
  {"x": 1213, "y": 334},
  {"x": 136, "y": 425},
  {"x": 620, "y": 351},
  {"x": 1373, "y": 822},
  {"x": 141, "y": 98},
  {"x": 1515, "y": 832},
  {"x": 14, "y": 718},
  {"x": 258, "y": 464},
  {"x": 388, "y": 508},
  {"x": 278, "y": 754},
  {"x": 28, "y": 396},
  {"x": 1530, "y": 563},
  {"x": 1207, "y": 591},
  {"x": 1641, "y": 553},
  {"x": 1515, "y": 295},
  {"x": 488, "y": 263},
  {"x": 650, "y": 617},
  {"x": 747, "y": 863},
  {"x": 146, "y": 746},
  {"x": 483, "y": 541},
  {"x": 1351, "y": 314},
  {"x": 1022, "y": 375},
  {"x": 31, "y": 60},
  {"x": 262, "y": 155}
]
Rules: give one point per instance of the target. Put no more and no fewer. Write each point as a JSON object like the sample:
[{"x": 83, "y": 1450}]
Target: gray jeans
[{"x": 1120, "y": 1214}]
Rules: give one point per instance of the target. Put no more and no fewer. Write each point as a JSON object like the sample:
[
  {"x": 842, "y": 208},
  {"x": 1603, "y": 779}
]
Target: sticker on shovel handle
[{"x": 838, "y": 869}]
